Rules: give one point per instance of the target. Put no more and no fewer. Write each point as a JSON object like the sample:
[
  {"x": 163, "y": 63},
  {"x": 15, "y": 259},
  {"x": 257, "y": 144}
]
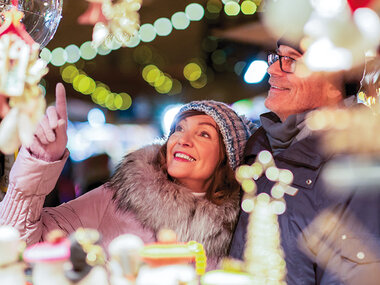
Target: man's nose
[{"x": 274, "y": 68}]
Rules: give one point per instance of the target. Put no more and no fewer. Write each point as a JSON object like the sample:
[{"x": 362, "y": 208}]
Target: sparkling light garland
[
  {"x": 264, "y": 257},
  {"x": 147, "y": 33}
]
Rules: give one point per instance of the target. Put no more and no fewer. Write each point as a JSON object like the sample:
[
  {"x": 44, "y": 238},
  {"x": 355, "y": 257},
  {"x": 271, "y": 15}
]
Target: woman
[{"x": 186, "y": 184}]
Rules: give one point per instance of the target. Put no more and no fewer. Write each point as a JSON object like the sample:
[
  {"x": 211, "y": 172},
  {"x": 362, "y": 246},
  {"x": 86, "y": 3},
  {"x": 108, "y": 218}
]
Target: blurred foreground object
[
  {"x": 343, "y": 245},
  {"x": 11, "y": 270},
  {"x": 125, "y": 259},
  {"x": 48, "y": 259},
  {"x": 87, "y": 258},
  {"x": 116, "y": 20},
  {"x": 167, "y": 261},
  {"x": 334, "y": 34},
  {"x": 263, "y": 256},
  {"x": 20, "y": 72},
  {"x": 40, "y": 17}
]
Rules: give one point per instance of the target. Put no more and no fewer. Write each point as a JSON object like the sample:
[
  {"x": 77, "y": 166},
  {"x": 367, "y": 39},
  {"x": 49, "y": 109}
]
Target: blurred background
[{"x": 120, "y": 98}]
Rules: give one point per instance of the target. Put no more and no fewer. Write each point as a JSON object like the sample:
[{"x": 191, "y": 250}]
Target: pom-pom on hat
[{"x": 235, "y": 129}]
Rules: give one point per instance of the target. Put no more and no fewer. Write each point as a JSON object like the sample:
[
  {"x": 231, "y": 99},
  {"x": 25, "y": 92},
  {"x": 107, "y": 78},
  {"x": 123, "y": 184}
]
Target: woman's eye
[
  {"x": 205, "y": 134},
  {"x": 178, "y": 128}
]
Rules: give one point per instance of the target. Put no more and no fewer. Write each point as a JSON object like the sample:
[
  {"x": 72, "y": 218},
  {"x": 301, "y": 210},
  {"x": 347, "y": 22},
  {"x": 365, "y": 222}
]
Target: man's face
[{"x": 290, "y": 94}]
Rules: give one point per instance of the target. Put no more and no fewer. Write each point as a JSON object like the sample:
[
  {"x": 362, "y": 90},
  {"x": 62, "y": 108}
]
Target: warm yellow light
[
  {"x": 69, "y": 73},
  {"x": 127, "y": 101},
  {"x": 248, "y": 7},
  {"x": 153, "y": 75},
  {"x": 248, "y": 185},
  {"x": 118, "y": 102},
  {"x": 77, "y": 80},
  {"x": 142, "y": 54},
  {"x": 232, "y": 8},
  {"x": 200, "y": 82},
  {"x": 247, "y": 205},
  {"x": 192, "y": 71},
  {"x": 109, "y": 102},
  {"x": 146, "y": 70},
  {"x": 214, "y": 6}
]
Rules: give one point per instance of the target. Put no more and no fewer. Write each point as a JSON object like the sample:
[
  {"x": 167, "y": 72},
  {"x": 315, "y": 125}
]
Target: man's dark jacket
[{"x": 344, "y": 235}]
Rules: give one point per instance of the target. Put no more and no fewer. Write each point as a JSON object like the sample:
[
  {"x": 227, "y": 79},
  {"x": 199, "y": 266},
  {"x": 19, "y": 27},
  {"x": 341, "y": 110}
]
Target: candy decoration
[{"x": 356, "y": 4}]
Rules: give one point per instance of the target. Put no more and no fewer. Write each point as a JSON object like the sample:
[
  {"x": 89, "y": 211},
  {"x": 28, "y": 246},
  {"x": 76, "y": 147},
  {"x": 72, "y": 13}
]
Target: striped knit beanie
[{"x": 235, "y": 129}]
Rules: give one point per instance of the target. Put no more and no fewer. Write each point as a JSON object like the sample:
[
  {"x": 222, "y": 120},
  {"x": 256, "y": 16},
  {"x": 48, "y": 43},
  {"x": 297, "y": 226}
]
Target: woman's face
[{"x": 193, "y": 152}]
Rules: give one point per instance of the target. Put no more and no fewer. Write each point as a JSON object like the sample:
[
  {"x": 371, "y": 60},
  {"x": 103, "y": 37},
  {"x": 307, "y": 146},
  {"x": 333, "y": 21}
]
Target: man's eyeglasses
[{"x": 287, "y": 64}]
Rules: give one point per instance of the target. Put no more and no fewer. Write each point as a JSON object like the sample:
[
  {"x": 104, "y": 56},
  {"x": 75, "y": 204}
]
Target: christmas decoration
[
  {"x": 20, "y": 72},
  {"x": 331, "y": 35},
  {"x": 11, "y": 269},
  {"x": 114, "y": 20},
  {"x": 40, "y": 17},
  {"x": 93, "y": 13}
]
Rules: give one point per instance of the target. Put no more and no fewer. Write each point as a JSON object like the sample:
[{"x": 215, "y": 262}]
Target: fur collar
[{"x": 140, "y": 186}]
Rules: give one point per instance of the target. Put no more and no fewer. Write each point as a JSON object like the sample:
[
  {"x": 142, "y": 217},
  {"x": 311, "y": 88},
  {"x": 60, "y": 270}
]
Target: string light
[
  {"x": 100, "y": 93},
  {"x": 147, "y": 33}
]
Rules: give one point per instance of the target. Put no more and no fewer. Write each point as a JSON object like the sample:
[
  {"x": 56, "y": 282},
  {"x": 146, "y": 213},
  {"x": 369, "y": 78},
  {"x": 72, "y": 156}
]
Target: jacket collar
[{"x": 303, "y": 153}]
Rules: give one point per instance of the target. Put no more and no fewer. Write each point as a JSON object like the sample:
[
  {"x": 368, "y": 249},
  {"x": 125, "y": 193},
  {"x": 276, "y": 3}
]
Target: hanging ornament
[
  {"x": 20, "y": 72},
  {"x": 122, "y": 22},
  {"x": 40, "y": 17},
  {"x": 93, "y": 13}
]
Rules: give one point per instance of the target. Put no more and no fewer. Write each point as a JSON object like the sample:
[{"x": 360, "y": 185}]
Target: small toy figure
[
  {"x": 48, "y": 259},
  {"x": 11, "y": 269},
  {"x": 125, "y": 259},
  {"x": 168, "y": 262},
  {"x": 87, "y": 258}
]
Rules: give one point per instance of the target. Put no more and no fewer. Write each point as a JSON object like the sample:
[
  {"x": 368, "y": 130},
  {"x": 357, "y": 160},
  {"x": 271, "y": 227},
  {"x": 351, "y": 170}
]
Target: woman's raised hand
[{"x": 50, "y": 139}]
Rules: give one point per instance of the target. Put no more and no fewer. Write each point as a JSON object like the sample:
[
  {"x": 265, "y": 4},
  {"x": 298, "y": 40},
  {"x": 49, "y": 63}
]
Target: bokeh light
[
  {"x": 96, "y": 117},
  {"x": 256, "y": 71},
  {"x": 87, "y": 51},
  {"x": 180, "y": 21},
  {"x": 163, "y": 26},
  {"x": 194, "y": 12},
  {"x": 168, "y": 116},
  {"x": 58, "y": 57},
  {"x": 248, "y": 7},
  {"x": 232, "y": 8},
  {"x": 73, "y": 53},
  {"x": 192, "y": 71},
  {"x": 147, "y": 33},
  {"x": 45, "y": 54}
]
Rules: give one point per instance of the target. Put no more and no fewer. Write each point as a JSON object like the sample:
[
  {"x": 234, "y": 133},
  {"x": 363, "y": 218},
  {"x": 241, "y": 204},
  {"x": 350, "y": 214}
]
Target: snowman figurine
[
  {"x": 48, "y": 259},
  {"x": 125, "y": 259},
  {"x": 11, "y": 270}
]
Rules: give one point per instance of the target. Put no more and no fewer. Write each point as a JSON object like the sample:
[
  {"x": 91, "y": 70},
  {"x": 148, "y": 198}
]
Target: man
[{"x": 327, "y": 239}]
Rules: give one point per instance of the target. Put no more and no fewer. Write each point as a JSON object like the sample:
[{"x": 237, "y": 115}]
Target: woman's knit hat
[{"x": 235, "y": 129}]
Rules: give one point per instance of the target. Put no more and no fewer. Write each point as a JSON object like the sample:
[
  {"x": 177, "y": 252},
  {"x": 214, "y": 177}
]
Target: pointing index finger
[{"x": 60, "y": 101}]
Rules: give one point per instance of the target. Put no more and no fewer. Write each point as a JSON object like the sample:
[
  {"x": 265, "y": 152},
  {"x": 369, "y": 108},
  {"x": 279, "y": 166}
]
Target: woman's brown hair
[{"x": 223, "y": 183}]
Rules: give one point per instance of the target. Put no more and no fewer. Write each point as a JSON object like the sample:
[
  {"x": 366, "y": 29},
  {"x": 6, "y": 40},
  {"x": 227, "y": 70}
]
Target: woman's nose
[{"x": 185, "y": 139}]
